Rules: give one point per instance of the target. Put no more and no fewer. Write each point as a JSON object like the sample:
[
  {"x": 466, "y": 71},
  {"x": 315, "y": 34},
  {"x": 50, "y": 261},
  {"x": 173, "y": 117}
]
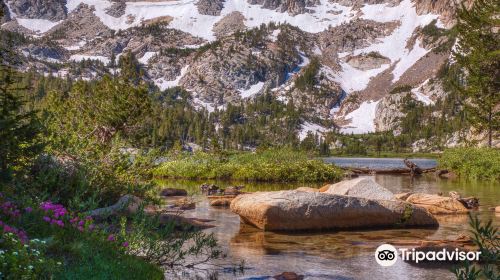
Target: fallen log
[{"x": 404, "y": 171}]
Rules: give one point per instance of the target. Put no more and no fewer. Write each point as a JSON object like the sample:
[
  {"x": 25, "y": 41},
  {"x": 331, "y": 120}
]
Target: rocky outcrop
[
  {"x": 45, "y": 52},
  {"x": 293, "y": 7},
  {"x": 445, "y": 8},
  {"x": 297, "y": 210},
  {"x": 210, "y": 7},
  {"x": 53, "y": 10},
  {"x": 117, "y": 9},
  {"x": 4, "y": 12},
  {"x": 229, "y": 24},
  {"x": 389, "y": 111},
  {"x": 436, "y": 204},
  {"x": 81, "y": 23},
  {"x": 368, "y": 61},
  {"x": 223, "y": 69},
  {"x": 363, "y": 187}
]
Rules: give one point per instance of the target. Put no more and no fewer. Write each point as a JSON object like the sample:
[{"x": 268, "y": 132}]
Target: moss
[{"x": 407, "y": 213}]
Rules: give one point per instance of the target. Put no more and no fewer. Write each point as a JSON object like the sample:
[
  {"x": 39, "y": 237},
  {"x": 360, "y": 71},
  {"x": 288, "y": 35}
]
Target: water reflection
[{"x": 341, "y": 254}]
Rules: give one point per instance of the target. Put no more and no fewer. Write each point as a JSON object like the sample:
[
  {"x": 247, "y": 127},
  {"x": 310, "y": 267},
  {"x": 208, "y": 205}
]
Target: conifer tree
[
  {"x": 18, "y": 128},
  {"x": 478, "y": 56}
]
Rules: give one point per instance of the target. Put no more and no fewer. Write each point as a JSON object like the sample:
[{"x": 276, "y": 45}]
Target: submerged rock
[
  {"x": 221, "y": 200},
  {"x": 298, "y": 210},
  {"x": 361, "y": 187},
  {"x": 184, "y": 204},
  {"x": 173, "y": 192},
  {"x": 437, "y": 204},
  {"x": 288, "y": 276},
  {"x": 307, "y": 189}
]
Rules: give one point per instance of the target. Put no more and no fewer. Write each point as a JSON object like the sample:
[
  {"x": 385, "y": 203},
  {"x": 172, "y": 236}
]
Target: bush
[
  {"x": 472, "y": 163},
  {"x": 281, "y": 165},
  {"x": 400, "y": 89},
  {"x": 70, "y": 245}
]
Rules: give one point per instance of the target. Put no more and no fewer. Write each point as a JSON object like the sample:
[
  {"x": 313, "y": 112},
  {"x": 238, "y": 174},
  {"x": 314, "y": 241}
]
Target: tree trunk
[{"x": 490, "y": 130}]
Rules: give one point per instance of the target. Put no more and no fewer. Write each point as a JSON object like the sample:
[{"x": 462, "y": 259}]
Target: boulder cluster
[{"x": 352, "y": 204}]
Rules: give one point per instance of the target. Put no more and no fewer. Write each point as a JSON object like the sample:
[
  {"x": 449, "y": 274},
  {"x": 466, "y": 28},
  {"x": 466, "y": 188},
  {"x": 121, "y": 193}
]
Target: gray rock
[
  {"x": 117, "y": 9},
  {"x": 53, "y": 10},
  {"x": 293, "y": 7},
  {"x": 229, "y": 24},
  {"x": 210, "y": 7},
  {"x": 361, "y": 187}
]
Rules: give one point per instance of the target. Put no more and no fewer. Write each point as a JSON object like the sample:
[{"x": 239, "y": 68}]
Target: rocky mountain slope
[{"x": 346, "y": 63}]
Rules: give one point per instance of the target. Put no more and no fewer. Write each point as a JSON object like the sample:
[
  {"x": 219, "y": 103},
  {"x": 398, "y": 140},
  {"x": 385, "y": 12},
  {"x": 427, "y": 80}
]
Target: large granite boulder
[
  {"x": 299, "y": 210},
  {"x": 437, "y": 204},
  {"x": 363, "y": 187}
]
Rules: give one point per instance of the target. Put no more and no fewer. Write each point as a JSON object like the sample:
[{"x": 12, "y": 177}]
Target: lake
[{"x": 336, "y": 254}]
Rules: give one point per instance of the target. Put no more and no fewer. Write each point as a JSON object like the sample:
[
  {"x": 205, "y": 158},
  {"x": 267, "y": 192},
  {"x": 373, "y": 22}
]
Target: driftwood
[
  {"x": 412, "y": 169},
  {"x": 404, "y": 171}
]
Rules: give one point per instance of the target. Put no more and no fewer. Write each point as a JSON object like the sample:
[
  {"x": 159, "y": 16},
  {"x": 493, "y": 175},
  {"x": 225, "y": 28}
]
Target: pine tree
[
  {"x": 18, "y": 128},
  {"x": 478, "y": 56}
]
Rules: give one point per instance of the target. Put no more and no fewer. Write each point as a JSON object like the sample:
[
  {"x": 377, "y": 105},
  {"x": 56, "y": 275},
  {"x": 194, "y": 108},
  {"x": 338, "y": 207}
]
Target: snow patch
[
  {"x": 352, "y": 79},
  {"x": 274, "y": 35},
  {"x": 200, "y": 104},
  {"x": 408, "y": 60},
  {"x": 76, "y": 47},
  {"x": 163, "y": 84},
  {"x": 253, "y": 90},
  {"x": 420, "y": 96},
  {"x": 394, "y": 45},
  {"x": 146, "y": 57},
  {"x": 187, "y": 18},
  {"x": 37, "y": 25},
  {"x": 80, "y": 57},
  {"x": 361, "y": 119},
  {"x": 307, "y": 127}
]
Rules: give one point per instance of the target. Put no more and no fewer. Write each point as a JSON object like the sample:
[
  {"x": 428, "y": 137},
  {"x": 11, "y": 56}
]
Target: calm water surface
[{"x": 336, "y": 254}]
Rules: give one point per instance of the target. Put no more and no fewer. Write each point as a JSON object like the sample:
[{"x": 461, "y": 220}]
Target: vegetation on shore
[
  {"x": 472, "y": 163},
  {"x": 283, "y": 165},
  {"x": 63, "y": 154}
]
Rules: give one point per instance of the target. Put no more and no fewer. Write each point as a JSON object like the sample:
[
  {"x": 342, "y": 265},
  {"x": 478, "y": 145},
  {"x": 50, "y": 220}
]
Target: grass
[
  {"x": 281, "y": 165},
  {"x": 472, "y": 163},
  {"x": 97, "y": 260}
]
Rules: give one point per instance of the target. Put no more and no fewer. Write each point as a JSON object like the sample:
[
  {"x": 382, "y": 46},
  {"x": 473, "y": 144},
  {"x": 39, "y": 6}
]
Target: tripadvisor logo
[{"x": 387, "y": 255}]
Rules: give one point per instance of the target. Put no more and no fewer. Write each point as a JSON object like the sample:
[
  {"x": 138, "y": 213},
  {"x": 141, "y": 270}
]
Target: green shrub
[
  {"x": 282, "y": 165},
  {"x": 400, "y": 89},
  {"x": 472, "y": 163}
]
